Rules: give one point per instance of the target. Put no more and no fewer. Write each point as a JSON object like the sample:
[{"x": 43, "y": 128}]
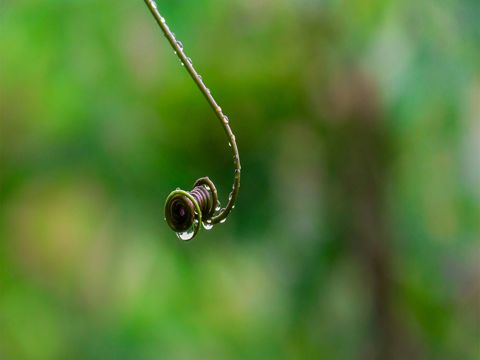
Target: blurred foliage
[{"x": 357, "y": 231}]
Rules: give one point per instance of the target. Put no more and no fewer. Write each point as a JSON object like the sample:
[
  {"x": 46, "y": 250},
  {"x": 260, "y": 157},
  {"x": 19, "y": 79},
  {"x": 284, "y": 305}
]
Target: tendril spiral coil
[{"x": 186, "y": 211}]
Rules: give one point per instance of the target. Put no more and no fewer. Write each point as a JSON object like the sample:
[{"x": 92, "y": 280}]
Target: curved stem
[{"x": 187, "y": 62}]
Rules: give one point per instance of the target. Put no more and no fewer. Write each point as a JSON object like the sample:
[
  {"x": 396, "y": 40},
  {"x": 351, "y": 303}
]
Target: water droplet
[
  {"x": 185, "y": 236},
  {"x": 229, "y": 144},
  {"x": 225, "y": 119},
  {"x": 223, "y": 221},
  {"x": 207, "y": 225},
  {"x": 180, "y": 45},
  {"x": 190, "y": 60}
]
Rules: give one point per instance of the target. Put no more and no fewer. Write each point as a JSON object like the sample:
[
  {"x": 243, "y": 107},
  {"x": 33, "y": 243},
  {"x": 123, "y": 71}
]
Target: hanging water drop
[
  {"x": 207, "y": 225},
  {"x": 180, "y": 45},
  {"x": 185, "y": 236}
]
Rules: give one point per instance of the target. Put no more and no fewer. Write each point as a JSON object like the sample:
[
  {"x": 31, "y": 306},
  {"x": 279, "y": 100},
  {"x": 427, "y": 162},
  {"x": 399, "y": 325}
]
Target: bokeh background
[{"x": 357, "y": 229}]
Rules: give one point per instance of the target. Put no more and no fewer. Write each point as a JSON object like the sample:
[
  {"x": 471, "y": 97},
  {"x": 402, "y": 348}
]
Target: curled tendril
[{"x": 184, "y": 210}]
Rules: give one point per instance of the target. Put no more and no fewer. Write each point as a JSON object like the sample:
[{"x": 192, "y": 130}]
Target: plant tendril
[{"x": 220, "y": 215}]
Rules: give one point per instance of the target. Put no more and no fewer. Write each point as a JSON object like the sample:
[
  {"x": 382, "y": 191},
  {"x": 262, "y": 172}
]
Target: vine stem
[{"x": 187, "y": 62}]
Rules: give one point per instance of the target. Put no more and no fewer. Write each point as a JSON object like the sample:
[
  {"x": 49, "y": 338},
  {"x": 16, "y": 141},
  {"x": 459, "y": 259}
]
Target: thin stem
[{"x": 187, "y": 62}]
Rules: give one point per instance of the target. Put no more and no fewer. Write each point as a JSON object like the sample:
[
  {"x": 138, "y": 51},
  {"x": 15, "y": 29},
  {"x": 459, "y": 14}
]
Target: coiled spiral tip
[
  {"x": 179, "y": 212},
  {"x": 184, "y": 210}
]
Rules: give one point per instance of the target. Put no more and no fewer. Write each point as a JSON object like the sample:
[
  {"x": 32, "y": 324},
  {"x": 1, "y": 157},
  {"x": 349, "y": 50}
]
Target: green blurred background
[{"x": 357, "y": 230}]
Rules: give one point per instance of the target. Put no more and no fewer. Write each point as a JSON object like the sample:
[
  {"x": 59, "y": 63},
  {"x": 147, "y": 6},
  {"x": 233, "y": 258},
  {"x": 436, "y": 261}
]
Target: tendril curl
[{"x": 185, "y": 211}]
